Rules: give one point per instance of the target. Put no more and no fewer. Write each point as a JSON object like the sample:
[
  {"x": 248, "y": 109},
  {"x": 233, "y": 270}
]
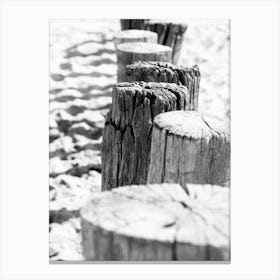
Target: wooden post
[
  {"x": 188, "y": 148},
  {"x": 167, "y": 73},
  {"x": 133, "y": 24},
  {"x": 128, "y": 53},
  {"x": 169, "y": 34},
  {"x": 127, "y": 132},
  {"x": 134, "y": 35},
  {"x": 157, "y": 223}
]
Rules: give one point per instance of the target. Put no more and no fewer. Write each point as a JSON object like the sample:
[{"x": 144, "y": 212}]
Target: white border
[{"x": 255, "y": 138}]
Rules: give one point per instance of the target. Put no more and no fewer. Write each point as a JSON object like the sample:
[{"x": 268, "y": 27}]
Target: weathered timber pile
[
  {"x": 133, "y": 23},
  {"x": 151, "y": 71},
  {"x": 170, "y": 33},
  {"x": 188, "y": 148},
  {"x": 157, "y": 223},
  {"x": 127, "y": 132},
  {"x": 135, "y": 35},
  {"x": 129, "y": 53}
]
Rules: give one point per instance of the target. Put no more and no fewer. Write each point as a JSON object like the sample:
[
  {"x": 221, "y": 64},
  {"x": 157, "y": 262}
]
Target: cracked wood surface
[
  {"x": 127, "y": 132},
  {"x": 150, "y": 71},
  {"x": 157, "y": 223},
  {"x": 188, "y": 148},
  {"x": 134, "y": 35},
  {"x": 128, "y": 53}
]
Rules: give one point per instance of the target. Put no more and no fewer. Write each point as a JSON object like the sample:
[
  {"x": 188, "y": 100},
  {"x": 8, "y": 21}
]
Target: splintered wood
[
  {"x": 167, "y": 73},
  {"x": 127, "y": 132},
  {"x": 134, "y": 35},
  {"x": 128, "y": 53},
  {"x": 188, "y": 148},
  {"x": 157, "y": 223}
]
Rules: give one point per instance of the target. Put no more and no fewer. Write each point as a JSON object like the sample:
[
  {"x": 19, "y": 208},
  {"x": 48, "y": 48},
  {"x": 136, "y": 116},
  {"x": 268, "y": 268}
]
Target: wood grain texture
[
  {"x": 188, "y": 148},
  {"x": 128, "y": 53},
  {"x": 157, "y": 223},
  {"x": 133, "y": 23},
  {"x": 134, "y": 35},
  {"x": 169, "y": 34},
  {"x": 127, "y": 132},
  {"x": 149, "y": 71}
]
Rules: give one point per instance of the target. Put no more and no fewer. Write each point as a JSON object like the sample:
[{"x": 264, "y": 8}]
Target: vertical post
[
  {"x": 169, "y": 34},
  {"x": 133, "y": 24},
  {"x": 127, "y": 132},
  {"x": 187, "y": 148}
]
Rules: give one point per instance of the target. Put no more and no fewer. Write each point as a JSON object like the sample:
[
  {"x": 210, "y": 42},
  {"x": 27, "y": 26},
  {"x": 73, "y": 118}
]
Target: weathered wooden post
[
  {"x": 127, "y": 132},
  {"x": 157, "y": 223},
  {"x": 134, "y": 35},
  {"x": 167, "y": 73},
  {"x": 188, "y": 148},
  {"x": 133, "y": 23},
  {"x": 128, "y": 53},
  {"x": 169, "y": 34}
]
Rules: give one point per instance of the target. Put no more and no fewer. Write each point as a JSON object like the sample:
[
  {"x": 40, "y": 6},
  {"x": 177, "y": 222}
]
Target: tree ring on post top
[{"x": 158, "y": 222}]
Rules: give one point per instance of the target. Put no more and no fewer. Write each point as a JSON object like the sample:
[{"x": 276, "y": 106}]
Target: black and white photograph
[{"x": 139, "y": 140}]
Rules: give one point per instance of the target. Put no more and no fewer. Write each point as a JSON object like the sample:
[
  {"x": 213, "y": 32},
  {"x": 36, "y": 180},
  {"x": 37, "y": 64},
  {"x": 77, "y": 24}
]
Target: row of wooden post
[
  {"x": 154, "y": 135},
  {"x": 170, "y": 33}
]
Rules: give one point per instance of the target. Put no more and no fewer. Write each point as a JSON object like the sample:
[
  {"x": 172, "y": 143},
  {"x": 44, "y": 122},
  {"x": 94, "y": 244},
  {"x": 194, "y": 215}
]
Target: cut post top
[
  {"x": 140, "y": 47},
  {"x": 160, "y": 64},
  {"x": 144, "y": 211},
  {"x": 152, "y": 71},
  {"x": 190, "y": 124},
  {"x": 135, "y": 33},
  {"x": 126, "y": 97},
  {"x": 125, "y": 86}
]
